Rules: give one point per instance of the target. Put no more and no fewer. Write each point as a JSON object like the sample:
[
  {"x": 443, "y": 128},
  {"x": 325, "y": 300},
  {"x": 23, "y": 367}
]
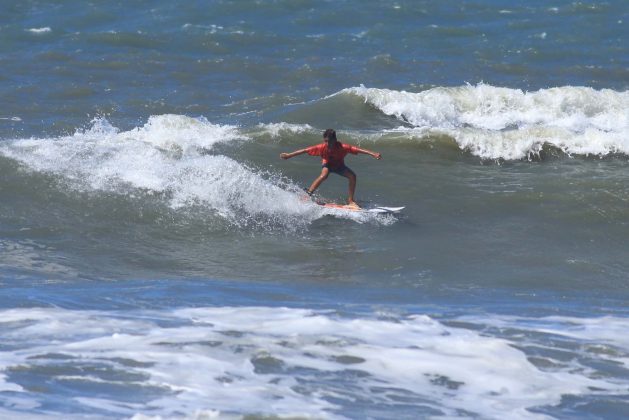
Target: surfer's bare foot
[{"x": 352, "y": 204}]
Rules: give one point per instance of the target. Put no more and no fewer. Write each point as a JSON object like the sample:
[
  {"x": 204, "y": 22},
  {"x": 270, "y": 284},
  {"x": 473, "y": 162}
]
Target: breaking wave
[
  {"x": 174, "y": 157},
  {"x": 501, "y": 123}
]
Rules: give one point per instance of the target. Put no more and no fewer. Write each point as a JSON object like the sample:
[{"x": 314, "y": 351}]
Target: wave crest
[{"x": 493, "y": 122}]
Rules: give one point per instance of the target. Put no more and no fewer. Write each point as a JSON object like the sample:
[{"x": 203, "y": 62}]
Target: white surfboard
[{"x": 374, "y": 209}]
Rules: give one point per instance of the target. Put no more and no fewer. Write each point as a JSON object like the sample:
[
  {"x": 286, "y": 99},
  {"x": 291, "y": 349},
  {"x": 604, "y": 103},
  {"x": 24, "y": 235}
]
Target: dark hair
[{"x": 329, "y": 134}]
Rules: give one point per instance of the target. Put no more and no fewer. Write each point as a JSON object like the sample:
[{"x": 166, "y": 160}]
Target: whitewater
[{"x": 501, "y": 123}]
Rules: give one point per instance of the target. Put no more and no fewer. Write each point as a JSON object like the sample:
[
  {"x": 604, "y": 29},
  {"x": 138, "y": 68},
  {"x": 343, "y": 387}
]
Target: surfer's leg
[
  {"x": 315, "y": 184},
  {"x": 351, "y": 176}
]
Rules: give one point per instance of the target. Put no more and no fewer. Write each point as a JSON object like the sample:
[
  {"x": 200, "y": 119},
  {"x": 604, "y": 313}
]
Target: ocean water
[{"x": 158, "y": 259}]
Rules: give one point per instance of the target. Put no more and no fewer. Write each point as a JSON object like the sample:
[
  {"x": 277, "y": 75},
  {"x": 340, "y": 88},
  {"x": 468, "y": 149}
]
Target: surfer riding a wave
[{"x": 333, "y": 154}]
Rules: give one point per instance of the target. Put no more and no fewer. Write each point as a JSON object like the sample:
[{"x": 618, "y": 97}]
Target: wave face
[
  {"x": 501, "y": 123},
  {"x": 175, "y": 158}
]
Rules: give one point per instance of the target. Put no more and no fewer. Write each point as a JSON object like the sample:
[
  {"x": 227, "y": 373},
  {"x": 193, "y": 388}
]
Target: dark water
[{"x": 157, "y": 258}]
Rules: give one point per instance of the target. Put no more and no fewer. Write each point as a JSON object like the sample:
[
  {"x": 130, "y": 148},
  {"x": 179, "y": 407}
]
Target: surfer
[{"x": 332, "y": 154}]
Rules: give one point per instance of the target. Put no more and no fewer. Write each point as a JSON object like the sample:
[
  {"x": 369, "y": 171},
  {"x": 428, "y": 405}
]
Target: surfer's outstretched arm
[
  {"x": 374, "y": 155},
  {"x": 293, "y": 154}
]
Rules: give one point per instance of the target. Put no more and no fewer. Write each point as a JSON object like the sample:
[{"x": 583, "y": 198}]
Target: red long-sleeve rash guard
[{"x": 334, "y": 158}]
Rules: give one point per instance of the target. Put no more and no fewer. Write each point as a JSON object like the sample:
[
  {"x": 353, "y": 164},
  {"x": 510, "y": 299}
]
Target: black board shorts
[{"x": 341, "y": 170}]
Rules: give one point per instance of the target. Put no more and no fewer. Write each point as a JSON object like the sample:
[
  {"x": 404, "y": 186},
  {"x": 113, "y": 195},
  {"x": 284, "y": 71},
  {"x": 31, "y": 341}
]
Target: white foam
[
  {"x": 277, "y": 129},
  {"x": 182, "y": 133},
  {"x": 212, "y": 360},
  {"x": 40, "y": 30},
  {"x": 507, "y": 123},
  {"x": 603, "y": 330},
  {"x": 6, "y": 386}
]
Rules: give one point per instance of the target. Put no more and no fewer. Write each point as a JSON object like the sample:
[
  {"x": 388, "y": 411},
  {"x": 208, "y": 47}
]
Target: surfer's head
[{"x": 329, "y": 136}]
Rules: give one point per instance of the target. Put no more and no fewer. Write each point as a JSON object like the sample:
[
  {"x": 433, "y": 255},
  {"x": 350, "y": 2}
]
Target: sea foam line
[{"x": 289, "y": 362}]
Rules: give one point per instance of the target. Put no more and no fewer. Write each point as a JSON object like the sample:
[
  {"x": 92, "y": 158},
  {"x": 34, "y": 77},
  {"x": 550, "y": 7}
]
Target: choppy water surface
[{"x": 158, "y": 259}]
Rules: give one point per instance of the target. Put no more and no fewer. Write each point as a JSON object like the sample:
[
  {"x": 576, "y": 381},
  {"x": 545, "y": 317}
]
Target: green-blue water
[{"x": 157, "y": 257}]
